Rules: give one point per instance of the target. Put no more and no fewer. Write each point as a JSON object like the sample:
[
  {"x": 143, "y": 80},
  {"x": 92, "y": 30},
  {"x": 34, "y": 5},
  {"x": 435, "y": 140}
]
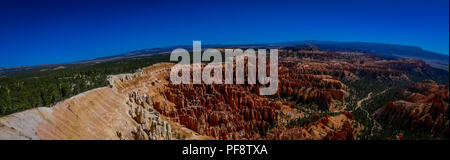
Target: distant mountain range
[{"x": 399, "y": 51}]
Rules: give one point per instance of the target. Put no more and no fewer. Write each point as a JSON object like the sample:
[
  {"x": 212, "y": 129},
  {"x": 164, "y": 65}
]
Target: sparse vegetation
[{"x": 21, "y": 90}]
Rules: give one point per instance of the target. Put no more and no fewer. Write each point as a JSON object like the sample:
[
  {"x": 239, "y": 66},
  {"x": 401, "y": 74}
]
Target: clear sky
[{"x": 46, "y": 32}]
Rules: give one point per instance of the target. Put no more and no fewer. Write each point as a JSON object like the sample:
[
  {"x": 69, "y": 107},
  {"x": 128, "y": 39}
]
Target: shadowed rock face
[
  {"x": 424, "y": 107},
  {"x": 339, "y": 127},
  {"x": 220, "y": 111},
  {"x": 150, "y": 125}
]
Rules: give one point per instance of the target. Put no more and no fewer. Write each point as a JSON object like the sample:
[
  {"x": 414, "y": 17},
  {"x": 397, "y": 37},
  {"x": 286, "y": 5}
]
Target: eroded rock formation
[
  {"x": 422, "y": 106},
  {"x": 147, "y": 106},
  {"x": 150, "y": 124},
  {"x": 103, "y": 113},
  {"x": 221, "y": 111}
]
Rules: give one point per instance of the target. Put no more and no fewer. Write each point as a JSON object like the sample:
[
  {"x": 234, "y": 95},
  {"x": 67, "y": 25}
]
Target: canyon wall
[
  {"x": 312, "y": 102},
  {"x": 102, "y": 113}
]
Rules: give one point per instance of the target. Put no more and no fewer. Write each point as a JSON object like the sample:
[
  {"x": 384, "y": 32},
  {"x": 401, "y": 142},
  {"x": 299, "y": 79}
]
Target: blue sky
[{"x": 46, "y": 32}]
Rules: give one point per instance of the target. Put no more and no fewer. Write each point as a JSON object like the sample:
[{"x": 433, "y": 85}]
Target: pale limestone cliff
[{"x": 102, "y": 113}]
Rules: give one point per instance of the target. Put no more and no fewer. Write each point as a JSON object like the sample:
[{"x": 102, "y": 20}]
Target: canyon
[{"x": 318, "y": 98}]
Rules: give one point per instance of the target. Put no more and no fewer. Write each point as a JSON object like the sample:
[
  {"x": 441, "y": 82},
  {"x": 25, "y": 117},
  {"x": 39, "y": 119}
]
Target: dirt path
[
  {"x": 376, "y": 125},
  {"x": 358, "y": 104}
]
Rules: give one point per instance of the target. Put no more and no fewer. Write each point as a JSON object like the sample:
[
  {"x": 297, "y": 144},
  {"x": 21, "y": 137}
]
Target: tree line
[{"x": 40, "y": 87}]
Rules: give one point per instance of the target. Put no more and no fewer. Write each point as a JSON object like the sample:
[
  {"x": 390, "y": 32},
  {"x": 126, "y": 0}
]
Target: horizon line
[{"x": 223, "y": 44}]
